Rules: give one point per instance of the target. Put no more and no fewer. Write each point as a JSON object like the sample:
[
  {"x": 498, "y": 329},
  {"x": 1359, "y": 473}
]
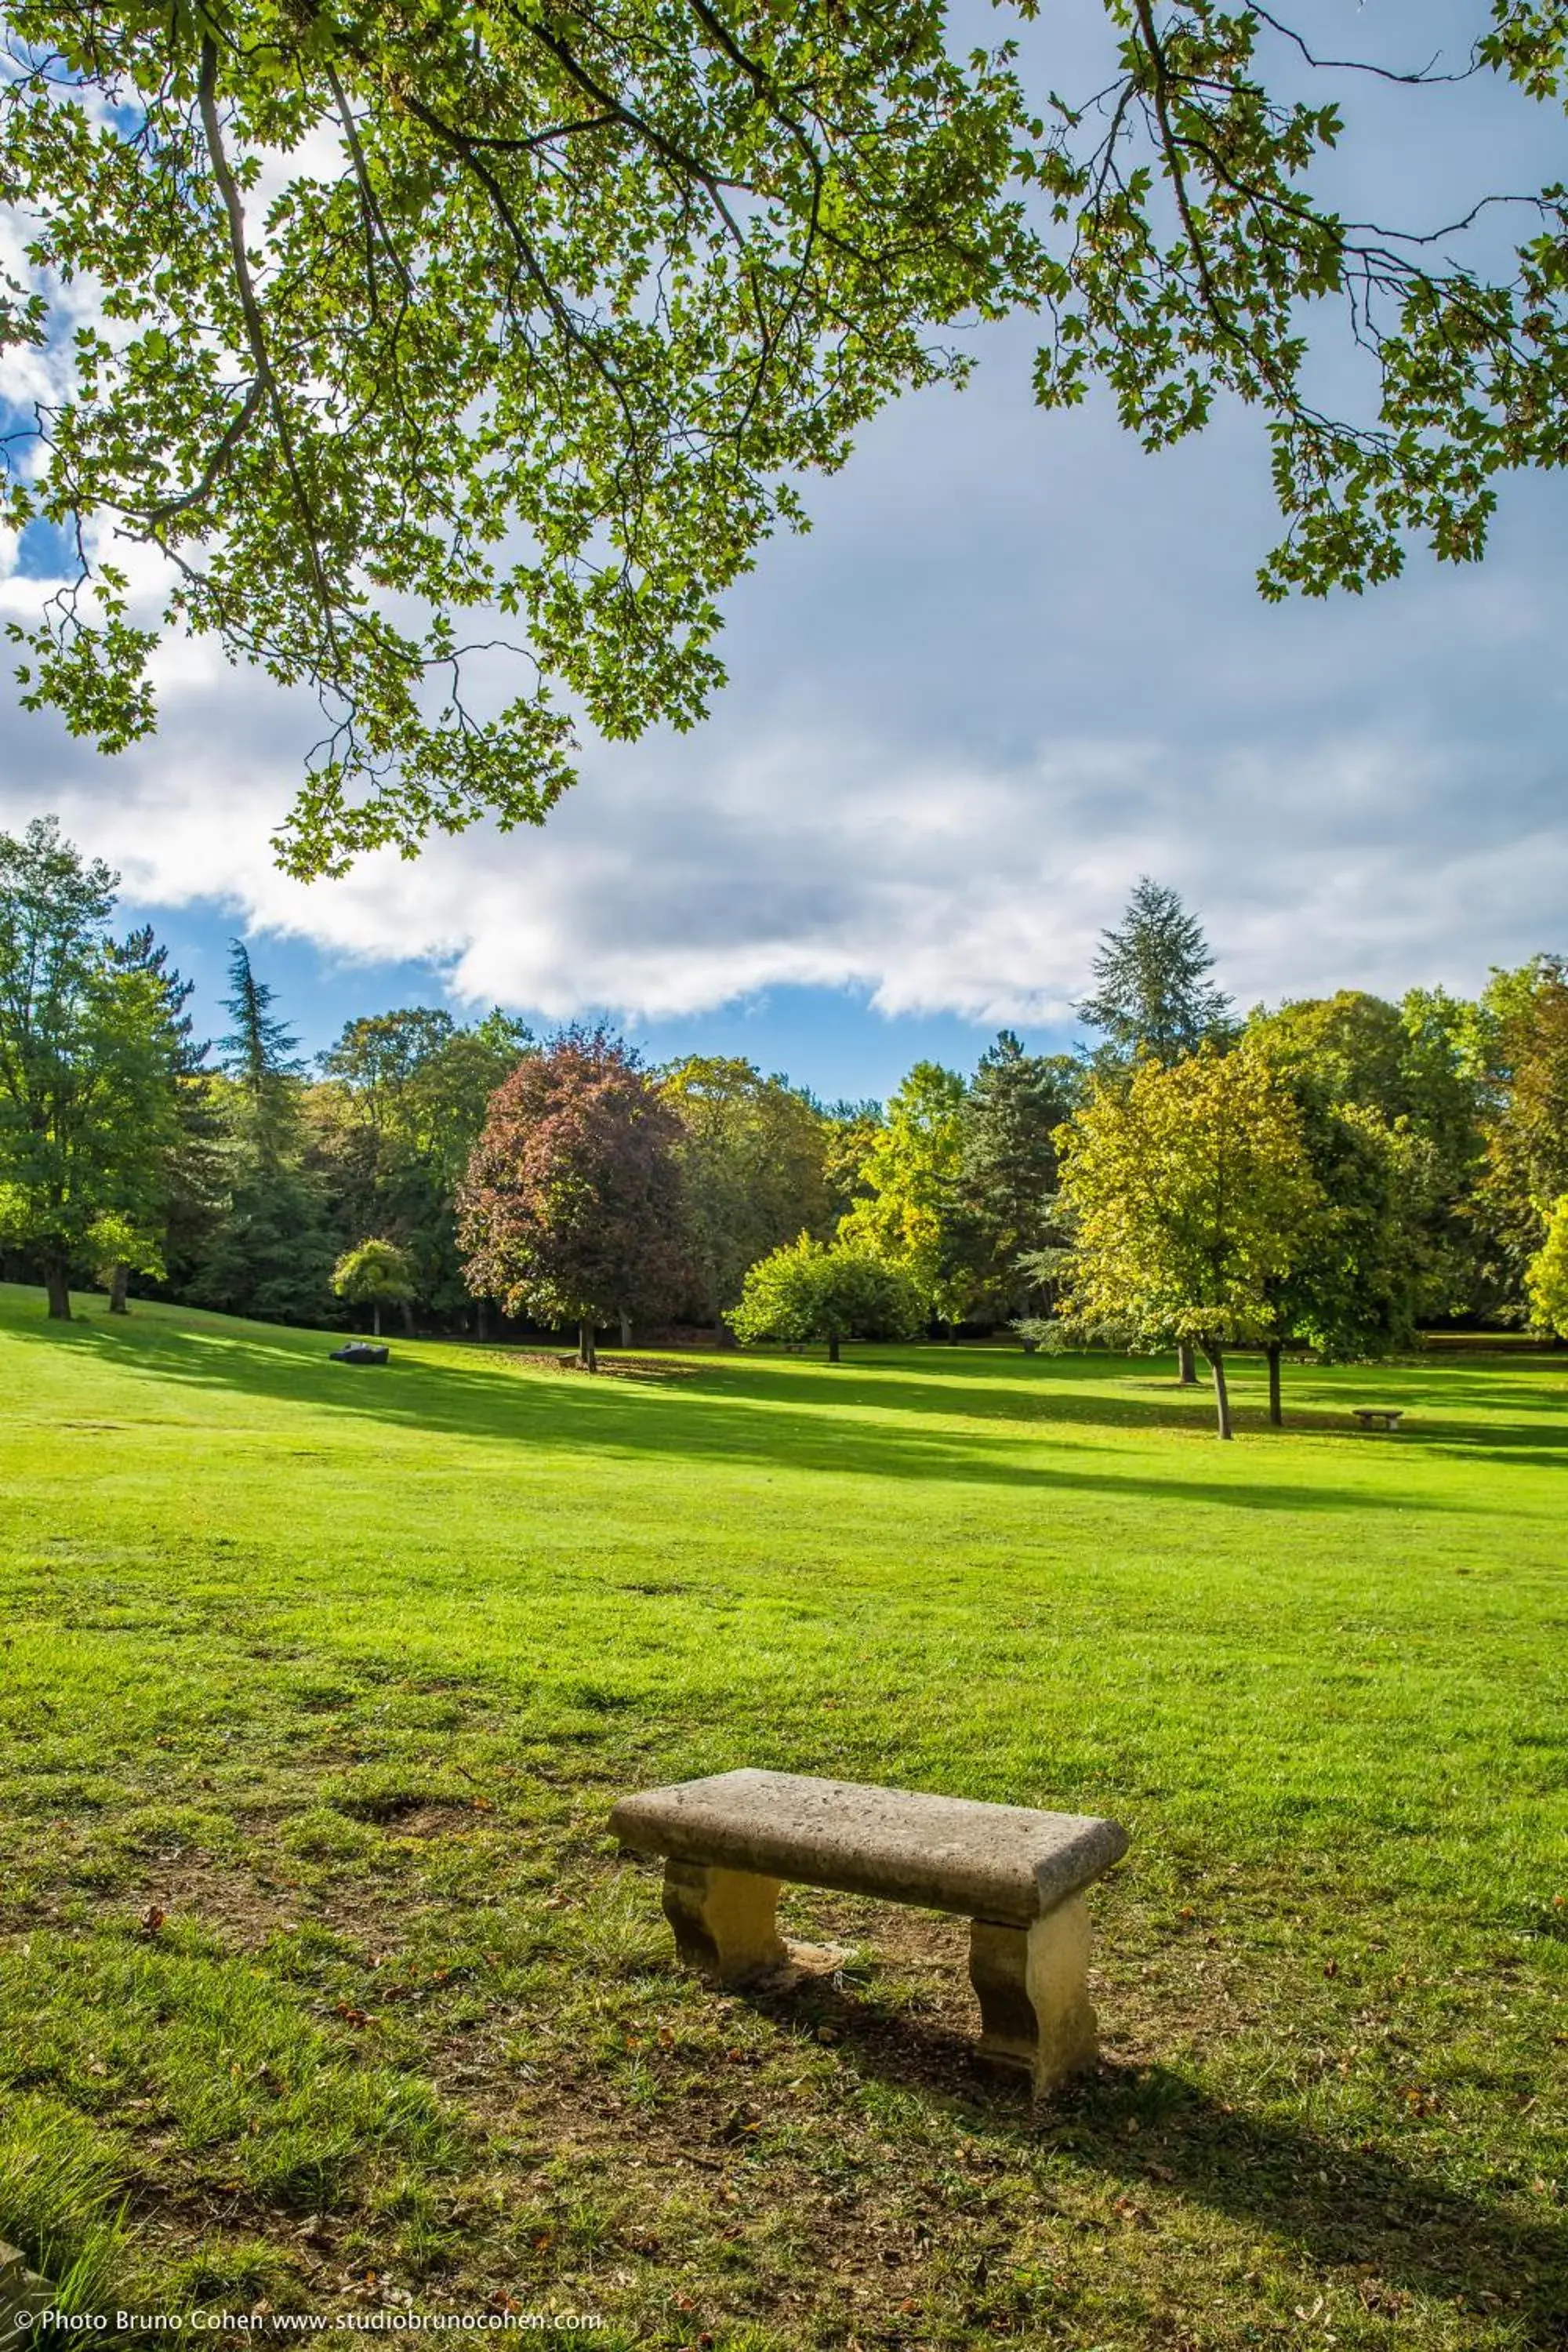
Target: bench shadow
[{"x": 1361, "y": 2208}]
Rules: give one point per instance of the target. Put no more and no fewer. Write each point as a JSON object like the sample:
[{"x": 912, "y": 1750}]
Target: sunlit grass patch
[{"x": 323, "y": 1983}]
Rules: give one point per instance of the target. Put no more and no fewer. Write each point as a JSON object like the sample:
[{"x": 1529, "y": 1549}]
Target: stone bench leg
[
  {"x": 1033, "y": 1987},
  {"x": 724, "y": 1919}
]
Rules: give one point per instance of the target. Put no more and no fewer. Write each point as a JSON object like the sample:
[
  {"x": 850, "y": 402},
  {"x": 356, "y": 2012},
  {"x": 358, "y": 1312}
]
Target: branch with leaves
[
  {"x": 361, "y": 322},
  {"x": 410, "y": 312}
]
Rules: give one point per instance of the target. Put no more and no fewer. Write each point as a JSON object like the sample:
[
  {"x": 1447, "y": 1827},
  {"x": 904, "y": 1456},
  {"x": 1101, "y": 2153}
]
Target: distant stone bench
[
  {"x": 1376, "y": 1416},
  {"x": 1016, "y": 1874}
]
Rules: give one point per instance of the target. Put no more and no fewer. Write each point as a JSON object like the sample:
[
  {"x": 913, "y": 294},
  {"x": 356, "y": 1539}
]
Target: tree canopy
[
  {"x": 572, "y": 1205},
  {"x": 1548, "y": 1278},
  {"x": 832, "y": 1291},
  {"x": 752, "y": 1151},
  {"x": 536, "y": 312},
  {"x": 1002, "y": 1221},
  {"x": 356, "y": 328},
  {"x": 909, "y": 1174},
  {"x": 1190, "y": 1195},
  {"x": 90, "y": 1041},
  {"x": 375, "y": 1274}
]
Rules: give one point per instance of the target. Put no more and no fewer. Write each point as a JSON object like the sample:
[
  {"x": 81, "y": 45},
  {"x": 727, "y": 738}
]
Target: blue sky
[
  {"x": 1016, "y": 664},
  {"x": 821, "y": 1037}
]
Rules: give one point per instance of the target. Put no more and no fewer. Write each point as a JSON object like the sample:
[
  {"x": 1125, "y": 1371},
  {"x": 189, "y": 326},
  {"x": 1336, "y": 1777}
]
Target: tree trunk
[
  {"x": 833, "y": 1347},
  {"x": 626, "y": 1329},
  {"x": 1187, "y": 1370},
  {"x": 481, "y": 1319},
  {"x": 57, "y": 1284},
  {"x": 408, "y": 1317},
  {"x": 1276, "y": 1410},
  {"x": 1216, "y": 1355},
  {"x": 587, "y": 1355},
  {"x": 119, "y": 1279},
  {"x": 375, "y": 1318}
]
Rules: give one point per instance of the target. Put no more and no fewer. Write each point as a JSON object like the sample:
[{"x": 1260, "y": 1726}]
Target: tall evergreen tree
[
  {"x": 1006, "y": 1186},
  {"x": 1151, "y": 1001},
  {"x": 272, "y": 1254},
  {"x": 260, "y": 1051}
]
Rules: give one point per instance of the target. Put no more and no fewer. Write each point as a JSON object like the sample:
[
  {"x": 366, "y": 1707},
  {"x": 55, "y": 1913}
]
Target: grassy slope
[{"x": 340, "y": 1671}]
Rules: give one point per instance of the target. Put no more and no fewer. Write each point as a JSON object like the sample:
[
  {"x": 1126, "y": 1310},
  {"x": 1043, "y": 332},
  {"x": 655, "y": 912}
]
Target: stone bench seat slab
[
  {"x": 1018, "y": 1875},
  {"x": 1003, "y": 1863}
]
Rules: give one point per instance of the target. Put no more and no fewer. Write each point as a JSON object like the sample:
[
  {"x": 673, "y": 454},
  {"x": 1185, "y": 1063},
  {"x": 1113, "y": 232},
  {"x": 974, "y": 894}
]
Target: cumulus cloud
[{"x": 1015, "y": 665}]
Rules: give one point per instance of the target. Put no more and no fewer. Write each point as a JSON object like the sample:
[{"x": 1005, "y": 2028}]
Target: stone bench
[
  {"x": 1016, "y": 1874},
  {"x": 1377, "y": 1416}
]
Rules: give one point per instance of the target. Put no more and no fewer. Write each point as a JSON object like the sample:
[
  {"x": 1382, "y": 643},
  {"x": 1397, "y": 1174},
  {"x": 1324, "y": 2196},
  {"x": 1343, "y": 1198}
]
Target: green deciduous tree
[
  {"x": 572, "y": 1208},
  {"x": 1525, "y": 1042},
  {"x": 374, "y": 1274},
  {"x": 538, "y": 311},
  {"x": 88, "y": 1051},
  {"x": 1393, "y": 1131},
  {"x": 416, "y": 311},
  {"x": 394, "y": 1122},
  {"x": 852, "y": 1129},
  {"x": 174, "y": 1193},
  {"x": 910, "y": 1176},
  {"x": 1191, "y": 1196},
  {"x": 826, "y": 1291},
  {"x": 752, "y": 1154}
]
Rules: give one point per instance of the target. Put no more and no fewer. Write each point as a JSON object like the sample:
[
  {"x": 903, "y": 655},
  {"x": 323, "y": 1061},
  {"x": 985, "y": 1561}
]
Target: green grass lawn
[{"x": 323, "y": 1987}]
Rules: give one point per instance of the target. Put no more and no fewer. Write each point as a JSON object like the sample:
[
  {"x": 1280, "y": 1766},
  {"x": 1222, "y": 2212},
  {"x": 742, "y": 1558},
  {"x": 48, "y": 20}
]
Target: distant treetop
[{"x": 1151, "y": 1001}]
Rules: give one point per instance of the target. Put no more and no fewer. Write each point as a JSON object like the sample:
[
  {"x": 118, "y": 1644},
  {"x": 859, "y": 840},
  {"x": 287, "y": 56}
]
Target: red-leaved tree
[{"x": 571, "y": 1209}]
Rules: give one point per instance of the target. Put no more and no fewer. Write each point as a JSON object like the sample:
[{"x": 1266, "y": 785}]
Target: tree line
[{"x": 1333, "y": 1173}]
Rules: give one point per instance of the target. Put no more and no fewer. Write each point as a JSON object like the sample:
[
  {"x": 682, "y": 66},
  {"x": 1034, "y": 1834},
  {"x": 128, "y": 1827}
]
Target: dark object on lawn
[
  {"x": 359, "y": 1351},
  {"x": 1018, "y": 1875}
]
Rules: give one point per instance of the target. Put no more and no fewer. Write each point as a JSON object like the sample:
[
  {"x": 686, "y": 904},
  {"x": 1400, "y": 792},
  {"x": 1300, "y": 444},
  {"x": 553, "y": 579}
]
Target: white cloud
[{"x": 1016, "y": 665}]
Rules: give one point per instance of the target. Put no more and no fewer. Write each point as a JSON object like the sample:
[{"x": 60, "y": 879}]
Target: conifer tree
[{"x": 1153, "y": 999}]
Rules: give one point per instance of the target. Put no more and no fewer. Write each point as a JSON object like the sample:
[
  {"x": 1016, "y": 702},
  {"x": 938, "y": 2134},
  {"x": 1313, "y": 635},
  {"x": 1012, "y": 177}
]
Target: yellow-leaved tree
[
  {"x": 910, "y": 1173},
  {"x": 1548, "y": 1276},
  {"x": 1191, "y": 1196}
]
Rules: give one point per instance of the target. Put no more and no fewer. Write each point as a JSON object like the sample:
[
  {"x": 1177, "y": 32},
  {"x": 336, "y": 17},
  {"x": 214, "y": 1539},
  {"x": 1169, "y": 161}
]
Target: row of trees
[{"x": 1331, "y": 1173}]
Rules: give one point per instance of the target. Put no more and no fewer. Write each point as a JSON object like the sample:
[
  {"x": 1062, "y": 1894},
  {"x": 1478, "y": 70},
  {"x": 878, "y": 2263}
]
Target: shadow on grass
[
  {"x": 1360, "y": 2207},
  {"x": 744, "y": 1412}
]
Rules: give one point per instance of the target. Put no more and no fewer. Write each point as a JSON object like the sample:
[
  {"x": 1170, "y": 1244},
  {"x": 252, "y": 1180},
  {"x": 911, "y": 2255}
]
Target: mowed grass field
[{"x": 323, "y": 1990}]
